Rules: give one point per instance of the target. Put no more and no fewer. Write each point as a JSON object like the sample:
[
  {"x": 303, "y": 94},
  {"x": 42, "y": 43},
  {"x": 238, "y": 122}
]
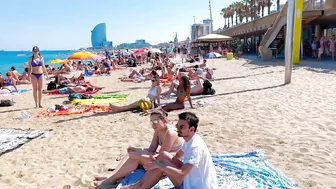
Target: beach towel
[
  {"x": 97, "y": 101},
  {"x": 110, "y": 96},
  {"x": 234, "y": 171},
  {"x": 11, "y": 139},
  {"x": 102, "y": 75},
  {"x": 15, "y": 93},
  {"x": 88, "y": 92},
  {"x": 75, "y": 111}
]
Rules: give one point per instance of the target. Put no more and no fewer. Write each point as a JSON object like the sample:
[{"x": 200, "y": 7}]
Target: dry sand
[{"x": 294, "y": 124}]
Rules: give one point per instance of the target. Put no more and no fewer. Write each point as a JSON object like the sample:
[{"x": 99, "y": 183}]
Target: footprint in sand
[{"x": 304, "y": 150}]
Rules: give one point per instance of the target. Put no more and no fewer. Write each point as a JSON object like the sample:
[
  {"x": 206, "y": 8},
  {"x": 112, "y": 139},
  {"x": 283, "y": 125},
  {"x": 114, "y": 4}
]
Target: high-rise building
[
  {"x": 98, "y": 37},
  {"x": 198, "y": 30},
  {"x": 207, "y": 24}
]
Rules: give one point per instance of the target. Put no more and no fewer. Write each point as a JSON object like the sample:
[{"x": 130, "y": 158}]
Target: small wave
[{"x": 21, "y": 55}]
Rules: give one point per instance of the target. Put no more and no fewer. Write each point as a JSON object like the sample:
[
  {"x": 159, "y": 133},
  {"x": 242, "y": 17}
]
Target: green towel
[{"x": 110, "y": 96}]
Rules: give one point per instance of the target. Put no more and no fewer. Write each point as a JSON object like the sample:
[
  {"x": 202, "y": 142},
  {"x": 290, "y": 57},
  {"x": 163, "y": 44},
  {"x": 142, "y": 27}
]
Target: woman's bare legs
[
  {"x": 34, "y": 82},
  {"x": 128, "y": 164},
  {"x": 129, "y": 107},
  {"x": 173, "y": 106},
  {"x": 39, "y": 90}
]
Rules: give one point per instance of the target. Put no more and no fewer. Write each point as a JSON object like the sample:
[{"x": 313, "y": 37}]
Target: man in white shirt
[{"x": 196, "y": 171}]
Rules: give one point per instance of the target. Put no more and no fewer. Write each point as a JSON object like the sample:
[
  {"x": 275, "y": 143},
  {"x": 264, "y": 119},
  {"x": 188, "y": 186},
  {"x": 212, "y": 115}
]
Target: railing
[{"x": 271, "y": 29}]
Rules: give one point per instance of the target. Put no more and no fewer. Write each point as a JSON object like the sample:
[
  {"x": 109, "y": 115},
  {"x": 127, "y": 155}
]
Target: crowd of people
[{"x": 169, "y": 143}]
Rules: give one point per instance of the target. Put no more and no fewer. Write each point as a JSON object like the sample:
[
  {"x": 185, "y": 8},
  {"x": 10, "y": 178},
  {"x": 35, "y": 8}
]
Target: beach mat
[
  {"x": 75, "y": 111},
  {"x": 89, "y": 92},
  {"x": 102, "y": 75},
  {"x": 110, "y": 96},
  {"x": 15, "y": 93},
  {"x": 234, "y": 171},
  {"x": 97, "y": 101},
  {"x": 11, "y": 139}
]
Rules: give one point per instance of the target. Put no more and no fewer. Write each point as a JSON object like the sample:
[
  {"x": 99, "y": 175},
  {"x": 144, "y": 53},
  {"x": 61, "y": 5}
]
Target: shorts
[
  {"x": 321, "y": 51},
  {"x": 65, "y": 90}
]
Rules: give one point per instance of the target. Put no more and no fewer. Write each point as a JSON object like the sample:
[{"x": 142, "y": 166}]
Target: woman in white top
[
  {"x": 151, "y": 101},
  {"x": 164, "y": 136}
]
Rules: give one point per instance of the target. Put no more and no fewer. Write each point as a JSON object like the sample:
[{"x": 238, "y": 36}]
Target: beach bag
[
  {"x": 144, "y": 104},
  {"x": 86, "y": 96},
  {"x": 75, "y": 96},
  {"x": 61, "y": 86},
  {"x": 51, "y": 85},
  {"x": 6, "y": 103},
  {"x": 207, "y": 88}
]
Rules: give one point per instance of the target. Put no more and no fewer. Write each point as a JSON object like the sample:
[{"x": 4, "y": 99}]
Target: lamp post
[{"x": 211, "y": 16}]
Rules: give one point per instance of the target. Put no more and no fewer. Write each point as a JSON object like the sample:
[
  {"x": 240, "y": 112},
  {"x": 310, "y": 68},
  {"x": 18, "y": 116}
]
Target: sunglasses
[
  {"x": 154, "y": 121},
  {"x": 35, "y": 50},
  {"x": 179, "y": 127}
]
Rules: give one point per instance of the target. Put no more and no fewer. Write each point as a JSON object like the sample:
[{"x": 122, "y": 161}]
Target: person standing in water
[{"x": 36, "y": 69}]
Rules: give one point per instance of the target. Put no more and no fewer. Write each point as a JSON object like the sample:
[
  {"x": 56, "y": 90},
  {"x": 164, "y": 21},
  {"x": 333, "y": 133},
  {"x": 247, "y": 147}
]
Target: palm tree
[
  {"x": 246, "y": 13},
  {"x": 231, "y": 13},
  {"x": 240, "y": 6},
  {"x": 223, "y": 13}
]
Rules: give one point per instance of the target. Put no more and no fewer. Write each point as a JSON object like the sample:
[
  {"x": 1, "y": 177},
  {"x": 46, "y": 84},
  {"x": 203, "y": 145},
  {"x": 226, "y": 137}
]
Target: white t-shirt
[{"x": 203, "y": 174}]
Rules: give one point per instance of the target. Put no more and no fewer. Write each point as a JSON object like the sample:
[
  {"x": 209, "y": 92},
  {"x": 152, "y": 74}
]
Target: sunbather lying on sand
[
  {"x": 74, "y": 89},
  {"x": 69, "y": 90},
  {"x": 150, "y": 101},
  {"x": 164, "y": 135}
]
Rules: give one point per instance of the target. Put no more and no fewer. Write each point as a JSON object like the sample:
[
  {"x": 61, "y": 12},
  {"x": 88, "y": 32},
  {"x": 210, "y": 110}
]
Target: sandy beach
[{"x": 294, "y": 124}]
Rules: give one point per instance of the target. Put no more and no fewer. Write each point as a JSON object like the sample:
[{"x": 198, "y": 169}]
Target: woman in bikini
[
  {"x": 152, "y": 99},
  {"x": 36, "y": 69},
  {"x": 8, "y": 84},
  {"x": 183, "y": 91},
  {"x": 164, "y": 136}
]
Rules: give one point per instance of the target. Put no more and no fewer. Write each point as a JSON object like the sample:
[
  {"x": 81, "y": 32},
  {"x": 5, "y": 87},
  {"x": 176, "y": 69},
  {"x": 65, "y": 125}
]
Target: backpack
[
  {"x": 51, "y": 85},
  {"x": 207, "y": 88},
  {"x": 6, "y": 103},
  {"x": 86, "y": 96}
]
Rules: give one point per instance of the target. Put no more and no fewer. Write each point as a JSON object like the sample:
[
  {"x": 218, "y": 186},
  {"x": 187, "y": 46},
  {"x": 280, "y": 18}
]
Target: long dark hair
[
  {"x": 186, "y": 82},
  {"x": 37, "y": 49}
]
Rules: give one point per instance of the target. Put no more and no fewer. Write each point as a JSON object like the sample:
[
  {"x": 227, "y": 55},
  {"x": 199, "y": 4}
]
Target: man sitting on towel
[{"x": 196, "y": 171}]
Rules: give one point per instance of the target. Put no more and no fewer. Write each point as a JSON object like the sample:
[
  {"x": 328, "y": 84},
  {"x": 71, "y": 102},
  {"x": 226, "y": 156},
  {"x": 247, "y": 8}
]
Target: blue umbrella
[{"x": 212, "y": 55}]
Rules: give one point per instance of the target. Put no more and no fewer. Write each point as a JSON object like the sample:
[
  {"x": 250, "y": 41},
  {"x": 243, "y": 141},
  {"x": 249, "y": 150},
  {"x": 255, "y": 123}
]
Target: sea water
[{"x": 19, "y": 58}]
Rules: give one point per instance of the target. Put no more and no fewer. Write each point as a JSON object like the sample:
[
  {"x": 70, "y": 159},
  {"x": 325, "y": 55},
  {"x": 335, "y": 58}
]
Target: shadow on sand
[
  {"x": 195, "y": 98},
  {"x": 326, "y": 66}
]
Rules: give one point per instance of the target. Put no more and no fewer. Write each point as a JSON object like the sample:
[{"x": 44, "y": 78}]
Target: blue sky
[{"x": 67, "y": 24}]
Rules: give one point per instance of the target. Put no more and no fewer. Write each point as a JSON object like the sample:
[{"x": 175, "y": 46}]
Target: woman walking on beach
[{"x": 36, "y": 69}]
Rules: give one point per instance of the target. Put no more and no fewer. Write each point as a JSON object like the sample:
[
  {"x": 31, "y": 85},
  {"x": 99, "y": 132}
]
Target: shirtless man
[{"x": 196, "y": 171}]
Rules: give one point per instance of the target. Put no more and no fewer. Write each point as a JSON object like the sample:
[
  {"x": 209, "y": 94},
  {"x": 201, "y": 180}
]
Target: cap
[{"x": 35, "y": 48}]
